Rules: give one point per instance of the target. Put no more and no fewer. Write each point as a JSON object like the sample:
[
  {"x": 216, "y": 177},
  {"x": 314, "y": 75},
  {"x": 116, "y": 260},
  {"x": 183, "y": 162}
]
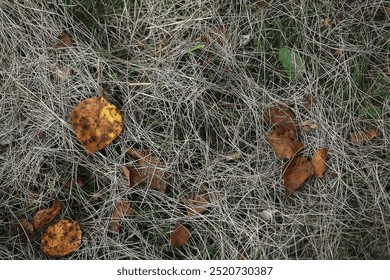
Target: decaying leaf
[
  {"x": 45, "y": 216},
  {"x": 121, "y": 210},
  {"x": 22, "y": 225},
  {"x": 267, "y": 215},
  {"x": 308, "y": 125},
  {"x": 295, "y": 173},
  {"x": 319, "y": 162},
  {"x": 96, "y": 123},
  {"x": 62, "y": 238},
  {"x": 180, "y": 236},
  {"x": 280, "y": 116},
  {"x": 64, "y": 41},
  {"x": 233, "y": 156},
  {"x": 74, "y": 181},
  {"x": 126, "y": 172},
  {"x": 326, "y": 22},
  {"x": 197, "y": 205},
  {"x": 148, "y": 169},
  {"x": 310, "y": 101},
  {"x": 284, "y": 143},
  {"x": 358, "y": 138}
]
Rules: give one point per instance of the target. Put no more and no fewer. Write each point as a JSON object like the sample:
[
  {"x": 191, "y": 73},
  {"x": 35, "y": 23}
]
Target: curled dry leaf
[
  {"x": 96, "y": 123},
  {"x": 180, "y": 236},
  {"x": 64, "y": 41},
  {"x": 148, "y": 169},
  {"x": 308, "y": 125},
  {"x": 121, "y": 210},
  {"x": 295, "y": 173},
  {"x": 283, "y": 142},
  {"x": 62, "y": 238},
  {"x": 45, "y": 216},
  {"x": 197, "y": 205},
  {"x": 319, "y": 162},
  {"x": 358, "y": 138}
]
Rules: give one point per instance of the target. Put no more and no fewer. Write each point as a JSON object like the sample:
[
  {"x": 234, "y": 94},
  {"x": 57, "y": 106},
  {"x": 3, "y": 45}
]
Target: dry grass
[{"x": 192, "y": 108}]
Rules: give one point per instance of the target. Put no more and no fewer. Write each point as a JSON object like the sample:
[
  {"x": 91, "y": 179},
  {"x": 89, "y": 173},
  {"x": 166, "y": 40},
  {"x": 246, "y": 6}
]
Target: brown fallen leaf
[
  {"x": 72, "y": 182},
  {"x": 197, "y": 205},
  {"x": 308, "y": 125},
  {"x": 310, "y": 101},
  {"x": 387, "y": 9},
  {"x": 62, "y": 238},
  {"x": 45, "y": 216},
  {"x": 319, "y": 162},
  {"x": 327, "y": 22},
  {"x": 280, "y": 116},
  {"x": 23, "y": 225},
  {"x": 148, "y": 170},
  {"x": 180, "y": 236},
  {"x": 96, "y": 123},
  {"x": 283, "y": 142},
  {"x": 64, "y": 41},
  {"x": 217, "y": 33},
  {"x": 295, "y": 173},
  {"x": 358, "y": 138},
  {"x": 121, "y": 210}
]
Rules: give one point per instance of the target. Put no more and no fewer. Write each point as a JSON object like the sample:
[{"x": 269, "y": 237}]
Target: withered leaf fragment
[
  {"x": 62, "y": 238},
  {"x": 180, "y": 236},
  {"x": 359, "y": 138},
  {"x": 64, "y": 41},
  {"x": 96, "y": 123},
  {"x": 284, "y": 143},
  {"x": 121, "y": 210},
  {"x": 319, "y": 162},
  {"x": 24, "y": 226},
  {"x": 295, "y": 173},
  {"x": 280, "y": 116},
  {"x": 197, "y": 204},
  {"x": 148, "y": 170},
  {"x": 308, "y": 125},
  {"x": 45, "y": 216}
]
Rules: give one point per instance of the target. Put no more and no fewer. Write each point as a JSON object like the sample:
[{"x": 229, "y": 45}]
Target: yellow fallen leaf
[
  {"x": 96, "y": 123},
  {"x": 62, "y": 238}
]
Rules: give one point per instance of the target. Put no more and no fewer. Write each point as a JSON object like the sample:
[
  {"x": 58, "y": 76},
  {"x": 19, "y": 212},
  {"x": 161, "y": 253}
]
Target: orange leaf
[
  {"x": 62, "y": 238},
  {"x": 358, "y": 138},
  {"x": 45, "y": 216},
  {"x": 149, "y": 170},
  {"x": 283, "y": 142},
  {"x": 296, "y": 172},
  {"x": 121, "y": 209},
  {"x": 180, "y": 236},
  {"x": 96, "y": 123},
  {"x": 319, "y": 162}
]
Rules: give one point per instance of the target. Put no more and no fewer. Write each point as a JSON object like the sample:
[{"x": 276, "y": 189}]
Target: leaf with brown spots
[
  {"x": 96, "y": 123},
  {"x": 283, "y": 142},
  {"x": 359, "y": 138},
  {"x": 45, "y": 216},
  {"x": 121, "y": 210},
  {"x": 319, "y": 162},
  {"x": 197, "y": 205},
  {"x": 295, "y": 173},
  {"x": 148, "y": 170},
  {"x": 180, "y": 236},
  {"x": 62, "y": 238},
  {"x": 64, "y": 41}
]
